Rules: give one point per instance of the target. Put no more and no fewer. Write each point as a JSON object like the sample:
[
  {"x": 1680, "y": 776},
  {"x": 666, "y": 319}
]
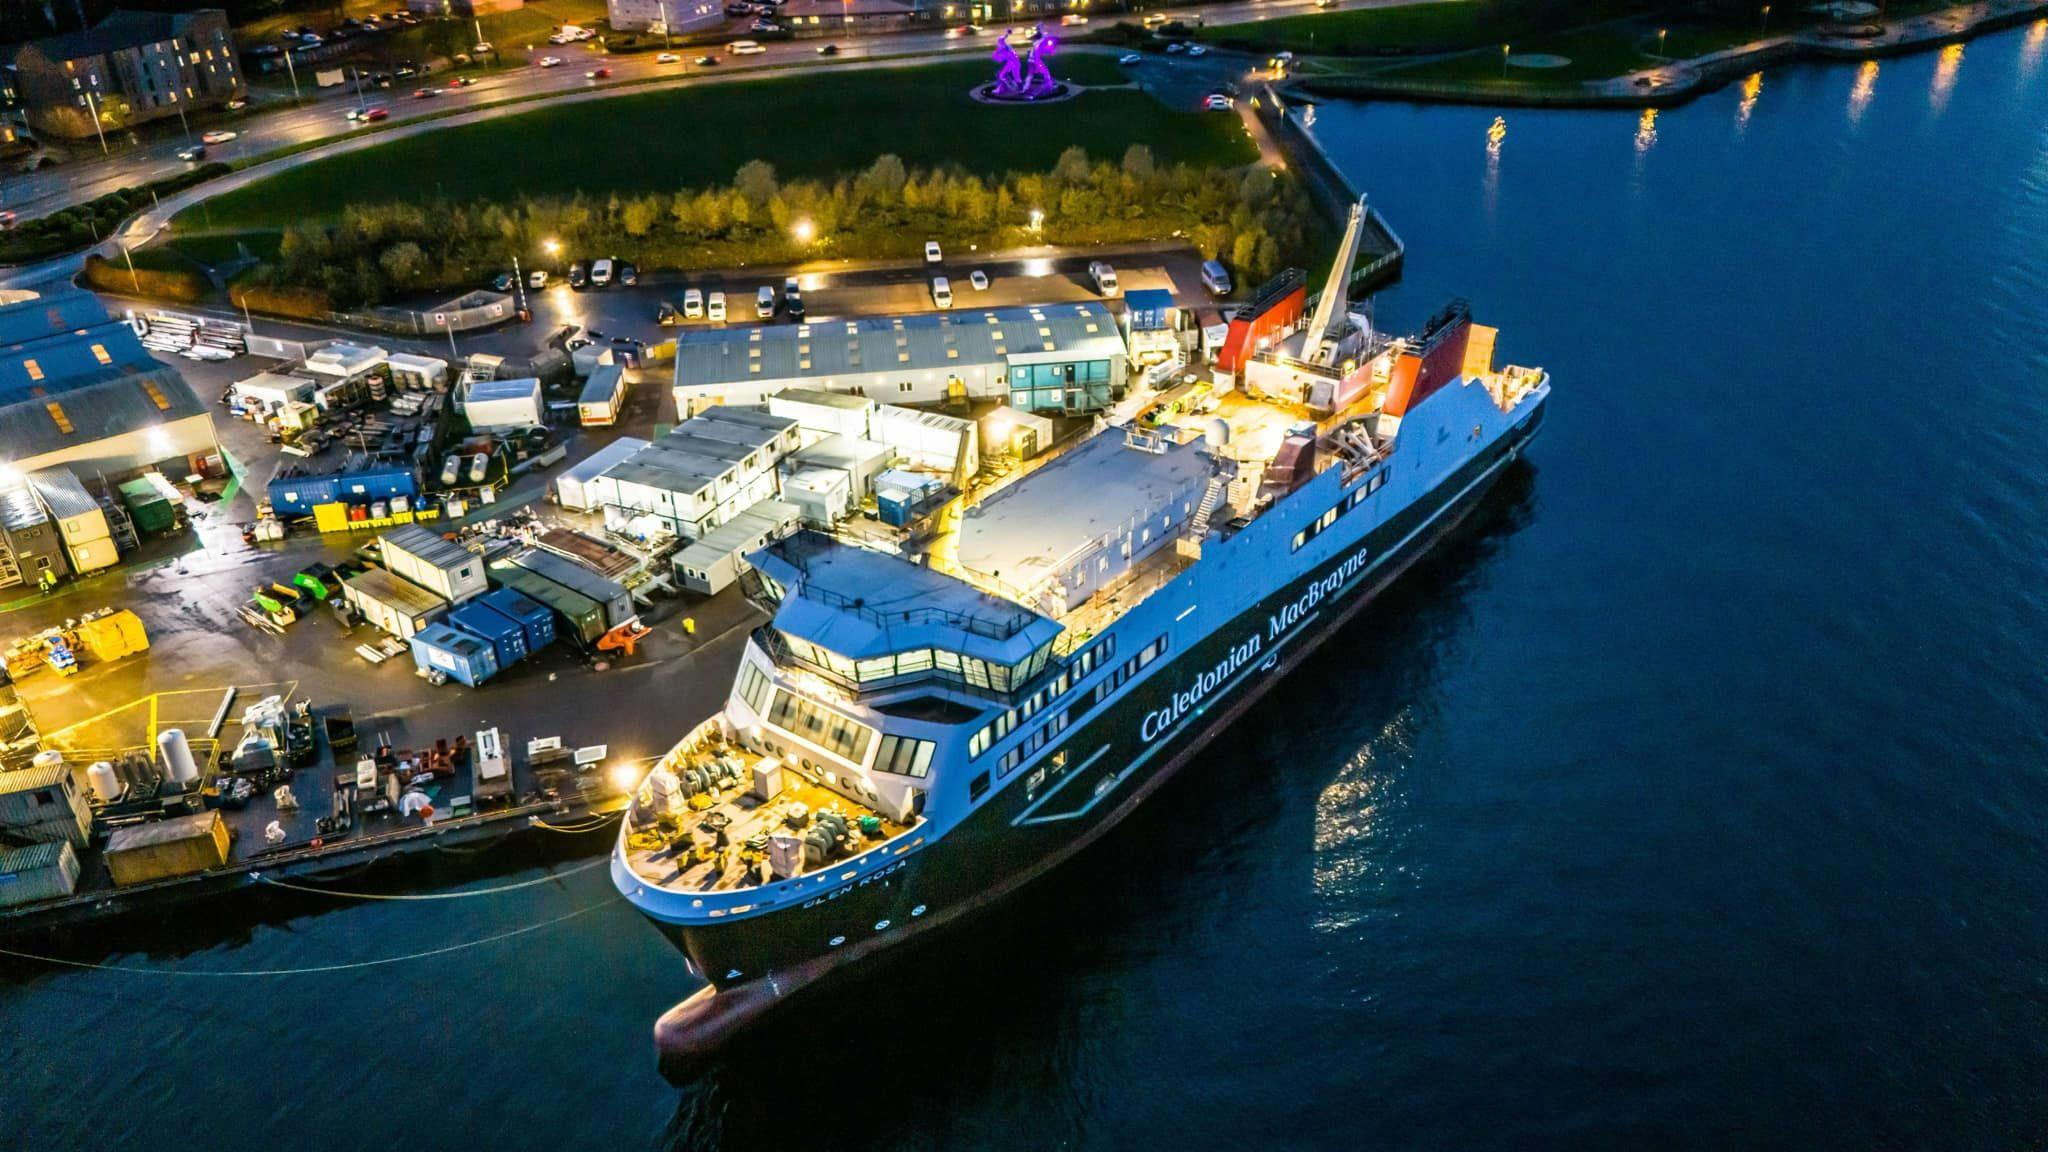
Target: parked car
[
  {"x": 931, "y": 252},
  {"x": 942, "y": 292},
  {"x": 764, "y": 302},
  {"x": 579, "y": 274},
  {"x": 1216, "y": 278},
  {"x": 628, "y": 275},
  {"x": 793, "y": 299},
  {"x": 483, "y": 47},
  {"x": 218, "y": 136},
  {"x": 549, "y": 61},
  {"x": 601, "y": 273},
  {"x": 1130, "y": 59},
  {"x": 716, "y": 307},
  {"x": 978, "y": 279},
  {"x": 502, "y": 282},
  {"x": 1197, "y": 50},
  {"x": 693, "y": 304},
  {"x": 1218, "y": 102},
  {"x": 1104, "y": 276},
  {"x": 193, "y": 154},
  {"x": 668, "y": 316},
  {"x": 537, "y": 279},
  {"x": 1176, "y": 48},
  {"x": 668, "y": 58},
  {"x": 598, "y": 74}
]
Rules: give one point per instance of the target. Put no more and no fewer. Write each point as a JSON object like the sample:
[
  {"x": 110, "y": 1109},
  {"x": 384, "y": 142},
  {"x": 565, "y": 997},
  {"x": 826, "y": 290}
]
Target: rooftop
[
  {"x": 428, "y": 547},
  {"x": 122, "y": 402},
  {"x": 861, "y": 603},
  {"x": 122, "y": 28},
  {"x": 1028, "y": 530},
  {"x": 927, "y": 340},
  {"x": 382, "y": 586}
]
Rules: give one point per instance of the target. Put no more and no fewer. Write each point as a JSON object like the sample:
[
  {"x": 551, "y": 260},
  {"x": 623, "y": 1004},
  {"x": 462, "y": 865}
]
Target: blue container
[
  {"x": 296, "y": 495},
  {"x": 452, "y": 651},
  {"x": 505, "y": 635},
  {"x": 536, "y": 618}
]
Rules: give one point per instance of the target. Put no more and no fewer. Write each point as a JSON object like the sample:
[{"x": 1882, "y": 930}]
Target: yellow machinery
[{"x": 105, "y": 635}]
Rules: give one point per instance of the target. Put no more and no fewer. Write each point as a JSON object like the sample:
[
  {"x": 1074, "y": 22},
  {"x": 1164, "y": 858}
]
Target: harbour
[{"x": 1685, "y": 796}]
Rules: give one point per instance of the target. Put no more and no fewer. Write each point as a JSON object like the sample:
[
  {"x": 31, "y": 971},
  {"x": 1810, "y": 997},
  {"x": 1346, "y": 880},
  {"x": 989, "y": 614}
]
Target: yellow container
[
  {"x": 164, "y": 848},
  {"x": 331, "y": 517}
]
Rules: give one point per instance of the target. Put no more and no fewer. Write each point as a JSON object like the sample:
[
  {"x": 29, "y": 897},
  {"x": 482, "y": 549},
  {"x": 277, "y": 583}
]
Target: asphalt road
[{"x": 266, "y": 128}]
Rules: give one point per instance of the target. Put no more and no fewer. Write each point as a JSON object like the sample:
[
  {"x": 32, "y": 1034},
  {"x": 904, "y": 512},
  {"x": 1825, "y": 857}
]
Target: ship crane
[{"x": 1334, "y": 332}]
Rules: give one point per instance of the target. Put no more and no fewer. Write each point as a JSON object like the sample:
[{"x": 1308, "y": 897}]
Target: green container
[{"x": 152, "y": 513}]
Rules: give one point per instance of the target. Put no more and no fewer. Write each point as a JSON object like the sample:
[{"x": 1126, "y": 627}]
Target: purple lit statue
[{"x": 1017, "y": 80}]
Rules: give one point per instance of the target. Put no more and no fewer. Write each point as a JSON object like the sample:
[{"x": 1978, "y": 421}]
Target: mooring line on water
[
  {"x": 591, "y": 825},
  {"x": 243, "y": 973},
  {"x": 467, "y": 892}
]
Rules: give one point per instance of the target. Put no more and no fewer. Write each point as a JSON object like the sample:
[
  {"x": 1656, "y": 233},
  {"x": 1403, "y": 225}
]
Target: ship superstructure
[{"x": 933, "y": 716}]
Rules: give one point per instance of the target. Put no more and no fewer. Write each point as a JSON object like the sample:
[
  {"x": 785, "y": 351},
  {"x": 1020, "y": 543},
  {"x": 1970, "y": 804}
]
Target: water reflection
[
  {"x": 1495, "y": 136},
  {"x": 1945, "y": 68},
  {"x": 1751, "y": 86},
  {"x": 1866, "y": 86},
  {"x": 2031, "y": 48}
]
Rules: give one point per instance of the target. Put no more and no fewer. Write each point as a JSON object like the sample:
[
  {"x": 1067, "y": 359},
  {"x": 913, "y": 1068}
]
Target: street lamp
[
  {"x": 1660, "y": 40},
  {"x": 551, "y": 246},
  {"x": 1037, "y": 219},
  {"x": 1764, "y": 21},
  {"x": 1504, "y": 50},
  {"x": 92, "y": 105},
  {"x": 804, "y": 230}
]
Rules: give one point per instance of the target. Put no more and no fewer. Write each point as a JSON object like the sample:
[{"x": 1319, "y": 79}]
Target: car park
[
  {"x": 764, "y": 302},
  {"x": 978, "y": 279},
  {"x": 693, "y": 304},
  {"x": 931, "y": 252},
  {"x": 715, "y": 306},
  {"x": 218, "y": 136}
]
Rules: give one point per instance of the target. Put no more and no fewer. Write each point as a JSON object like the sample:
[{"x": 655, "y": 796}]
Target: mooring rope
[
  {"x": 249, "y": 972},
  {"x": 467, "y": 892}
]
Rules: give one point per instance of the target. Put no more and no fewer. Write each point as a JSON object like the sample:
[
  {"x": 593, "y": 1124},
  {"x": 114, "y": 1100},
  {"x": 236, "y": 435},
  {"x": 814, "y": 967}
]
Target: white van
[
  {"x": 1104, "y": 275},
  {"x": 717, "y": 311},
  {"x": 693, "y": 304},
  {"x": 942, "y": 292},
  {"x": 744, "y": 48},
  {"x": 764, "y": 302},
  {"x": 600, "y": 273},
  {"x": 1216, "y": 278}
]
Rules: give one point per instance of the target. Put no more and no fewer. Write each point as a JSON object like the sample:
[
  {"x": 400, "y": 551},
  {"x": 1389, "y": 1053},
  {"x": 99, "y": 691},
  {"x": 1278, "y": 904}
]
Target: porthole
[
  {"x": 836, "y": 941},
  {"x": 917, "y": 911},
  {"x": 881, "y": 925}
]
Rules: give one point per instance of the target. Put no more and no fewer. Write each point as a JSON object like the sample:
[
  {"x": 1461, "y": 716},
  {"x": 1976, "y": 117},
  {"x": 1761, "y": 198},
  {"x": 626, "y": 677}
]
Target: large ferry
[{"x": 931, "y": 719}]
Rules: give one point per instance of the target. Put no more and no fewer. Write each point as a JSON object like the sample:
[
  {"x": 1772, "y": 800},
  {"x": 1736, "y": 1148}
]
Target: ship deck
[{"x": 689, "y": 854}]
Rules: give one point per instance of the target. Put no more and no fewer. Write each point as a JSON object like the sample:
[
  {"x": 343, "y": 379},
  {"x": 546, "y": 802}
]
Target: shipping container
[
  {"x": 603, "y": 395},
  {"x": 506, "y": 636},
  {"x": 37, "y": 872},
  {"x": 293, "y": 495},
  {"x": 151, "y": 511},
  {"x": 577, "y": 617},
  {"x": 504, "y": 405},
  {"x": 609, "y": 594},
  {"x": 397, "y": 607},
  {"x": 78, "y": 516},
  {"x": 537, "y": 620},
  {"x": 434, "y": 562},
  {"x": 44, "y": 801},
  {"x": 455, "y": 653},
  {"x": 421, "y": 373},
  {"x": 166, "y": 848},
  {"x": 92, "y": 555}
]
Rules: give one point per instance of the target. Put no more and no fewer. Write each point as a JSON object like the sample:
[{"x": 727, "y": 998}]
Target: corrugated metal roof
[
  {"x": 930, "y": 340},
  {"x": 535, "y": 586},
  {"x": 604, "y": 380},
  {"x": 385, "y": 588},
  {"x": 62, "y": 492},
  {"x": 571, "y": 575},
  {"x": 49, "y": 315},
  {"x": 824, "y": 399},
  {"x": 33, "y": 776},
  {"x": 33, "y": 857},
  {"x": 19, "y": 510},
  {"x": 739, "y": 532},
  {"x": 123, "y": 402},
  {"x": 521, "y": 389},
  {"x": 429, "y": 548},
  {"x": 594, "y": 465},
  {"x": 1027, "y": 530}
]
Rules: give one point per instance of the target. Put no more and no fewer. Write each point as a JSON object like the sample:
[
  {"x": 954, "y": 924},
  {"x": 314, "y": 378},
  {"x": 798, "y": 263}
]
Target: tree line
[{"x": 1253, "y": 219}]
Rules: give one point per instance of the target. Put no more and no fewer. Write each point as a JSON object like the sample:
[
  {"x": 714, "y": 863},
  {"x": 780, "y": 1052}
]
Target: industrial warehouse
[{"x": 1053, "y": 357}]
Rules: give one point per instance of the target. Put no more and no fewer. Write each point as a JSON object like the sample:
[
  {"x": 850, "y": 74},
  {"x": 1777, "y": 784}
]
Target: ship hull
[{"x": 1112, "y": 762}]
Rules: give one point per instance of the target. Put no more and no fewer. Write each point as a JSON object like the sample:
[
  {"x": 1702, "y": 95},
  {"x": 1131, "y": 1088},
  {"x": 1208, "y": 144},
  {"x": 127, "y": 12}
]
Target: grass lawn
[
  {"x": 1595, "y": 54},
  {"x": 1413, "y": 28},
  {"x": 814, "y": 125}
]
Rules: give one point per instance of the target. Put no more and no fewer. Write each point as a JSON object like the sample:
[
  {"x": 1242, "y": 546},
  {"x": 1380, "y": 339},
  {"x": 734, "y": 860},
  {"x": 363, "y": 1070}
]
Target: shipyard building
[{"x": 1047, "y": 358}]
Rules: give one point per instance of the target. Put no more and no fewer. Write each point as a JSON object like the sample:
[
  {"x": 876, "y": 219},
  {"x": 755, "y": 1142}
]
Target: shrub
[{"x": 184, "y": 285}]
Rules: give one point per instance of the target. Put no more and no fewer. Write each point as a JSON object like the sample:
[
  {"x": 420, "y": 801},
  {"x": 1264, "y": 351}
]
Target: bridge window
[
  {"x": 820, "y": 725},
  {"x": 904, "y": 756}
]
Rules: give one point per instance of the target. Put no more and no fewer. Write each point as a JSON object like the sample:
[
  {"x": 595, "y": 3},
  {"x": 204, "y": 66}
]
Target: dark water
[{"x": 1695, "y": 800}]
